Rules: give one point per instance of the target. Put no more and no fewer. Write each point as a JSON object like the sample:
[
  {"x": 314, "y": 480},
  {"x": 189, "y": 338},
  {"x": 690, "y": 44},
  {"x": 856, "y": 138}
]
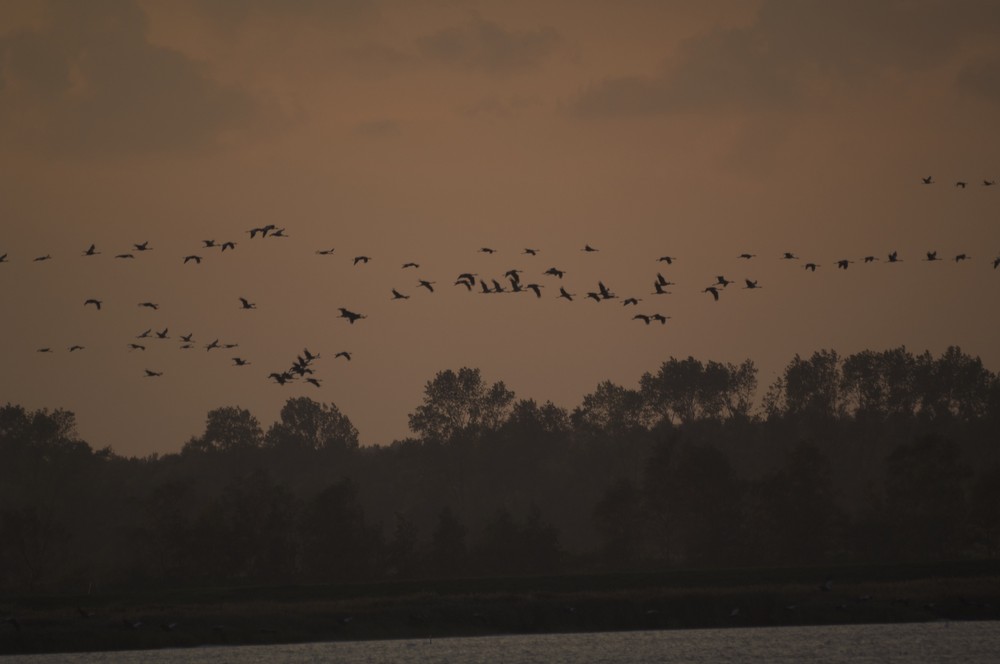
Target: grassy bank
[{"x": 654, "y": 600}]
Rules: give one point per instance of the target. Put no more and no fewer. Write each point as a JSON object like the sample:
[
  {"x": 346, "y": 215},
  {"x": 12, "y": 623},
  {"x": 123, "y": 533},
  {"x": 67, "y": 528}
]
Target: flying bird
[
  {"x": 894, "y": 257},
  {"x": 555, "y": 272},
  {"x": 844, "y": 263},
  {"x": 75, "y": 348},
  {"x": 605, "y": 291},
  {"x": 136, "y": 347},
  {"x": 423, "y": 283},
  {"x": 350, "y": 315},
  {"x": 44, "y": 350},
  {"x": 927, "y": 180},
  {"x": 145, "y": 334},
  {"x": 789, "y": 256},
  {"x": 747, "y": 256},
  {"x": 96, "y": 303},
  {"x": 163, "y": 333},
  {"x": 152, "y": 374},
  {"x": 714, "y": 291},
  {"x": 811, "y": 266},
  {"x": 240, "y": 362},
  {"x": 531, "y": 252},
  {"x": 961, "y": 184},
  {"x": 659, "y": 317},
  {"x": 535, "y": 288},
  {"x": 46, "y": 257},
  {"x": 487, "y": 250},
  {"x": 345, "y": 354},
  {"x": 247, "y": 304},
  {"x": 362, "y": 259},
  {"x": 989, "y": 183},
  {"x": 186, "y": 338},
  {"x": 396, "y": 295},
  {"x": 144, "y": 246},
  {"x": 149, "y": 305},
  {"x": 870, "y": 259},
  {"x": 669, "y": 260},
  {"x": 410, "y": 264},
  {"x": 192, "y": 257},
  {"x": 750, "y": 284},
  {"x": 569, "y": 296},
  {"x": 932, "y": 256},
  {"x": 659, "y": 289},
  {"x": 212, "y": 346},
  {"x": 643, "y": 317},
  {"x": 324, "y": 252},
  {"x": 962, "y": 257},
  {"x": 631, "y": 300},
  {"x": 208, "y": 244},
  {"x": 91, "y": 251},
  {"x": 124, "y": 256},
  {"x": 314, "y": 381},
  {"x": 228, "y": 245},
  {"x": 588, "y": 248}
]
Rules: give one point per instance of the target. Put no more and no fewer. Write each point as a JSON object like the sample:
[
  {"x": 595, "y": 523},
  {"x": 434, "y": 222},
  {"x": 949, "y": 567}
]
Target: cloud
[
  {"x": 794, "y": 48},
  {"x": 486, "y": 46},
  {"x": 90, "y": 83},
  {"x": 233, "y": 12}
]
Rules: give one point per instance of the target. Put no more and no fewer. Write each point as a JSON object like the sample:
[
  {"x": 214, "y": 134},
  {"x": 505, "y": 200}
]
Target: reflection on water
[{"x": 972, "y": 642}]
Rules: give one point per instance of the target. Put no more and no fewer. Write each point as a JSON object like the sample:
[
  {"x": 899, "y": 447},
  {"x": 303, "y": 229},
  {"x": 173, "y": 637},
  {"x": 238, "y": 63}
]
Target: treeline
[{"x": 878, "y": 456}]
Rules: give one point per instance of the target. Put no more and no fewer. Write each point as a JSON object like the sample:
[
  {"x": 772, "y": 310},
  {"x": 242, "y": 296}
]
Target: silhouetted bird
[
  {"x": 136, "y": 347},
  {"x": 789, "y": 256},
  {"x": 324, "y": 252},
  {"x": 96, "y": 303},
  {"x": 186, "y": 338},
  {"x": 468, "y": 284},
  {"x": 485, "y": 287},
  {"x": 535, "y": 288},
  {"x": 46, "y": 257},
  {"x": 362, "y": 259},
  {"x": 962, "y": 257},
  {"x": 569, "y": 296},
  {"x": 487, "y": 250},
  {"x": 314, "y": 381},
  {"x": 714, "y": 291},
  {"x": 152, "y": 374},
  {"x": 396, "y": 295},
  {"x": 145, "y": 334},
  {"x": 240, "y": 362},
  {"x": 345, "y": 354},
  {"x": 870, "y": 259},
  {"x": 961, "y": 184},
  {"x": 843, "y": 263},
  {"x": 722, "y": 281},
  {"x": 280, "y": 378},
  {"x": 927, "y": 180},
  {"x": 262, "y": 230},
  {"x": 247, "y": 304},
  {"x": 605, "y": 291},
  {"x": 411, "y": 264},
  {"x": 669, "y": 260},
  {"x": 747, "y": 256},
  {"x": 309, "y": 356},
  {"x": 894, "y": 257},
  {"x": 989, "y": 183},
  {"x": 212, "y": 346},
  {"x": 555, "y": 272},
  {"x": 208, "y": 244},
  {"x": 932, "y": 256},
  {"x": 3, "y": 259},
  {"x": 75, "y": 347},
  {"x": 531, "y": 252},
  {"x": 588, "y": 248},
  {"x": 811, "y": 266},
  {"x": 228, "y": 346},
  {"x": 192, "y": 257},
  {"x": 594, "y": 296},
  {"x": 278, "y": 232},
  {"x": 750, "y": 284},
  {"x": 659, "y": 317},
  {"x": 144, "y": 246},
  {"x": 514, "y": 274},
  {"x": 631, "y": 300},
  {"x": 643, "y": 317},
  {"x": 497, "y": 288},
  {"x": 350, "y": 315},
  {"x": 228, "y": 245},
  {"x": 44, "y": 350},
  {"x": 659, "y": 289},
  {"x": 423, "y": 283},
  {"x": 91, "y": 251},
  {"x": 163, "y": 334},
  {"x": 996, "y": 262},
  {"x": 124, "y": 256},
  {"x": 149, "y": 305}
]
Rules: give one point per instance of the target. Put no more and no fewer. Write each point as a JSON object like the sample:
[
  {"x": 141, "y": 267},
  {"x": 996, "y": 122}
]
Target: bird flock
[{"x": 514, "y": 281}]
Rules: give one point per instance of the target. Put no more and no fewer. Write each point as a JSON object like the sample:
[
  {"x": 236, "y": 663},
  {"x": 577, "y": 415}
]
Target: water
[{"x": 970, "y": 642}]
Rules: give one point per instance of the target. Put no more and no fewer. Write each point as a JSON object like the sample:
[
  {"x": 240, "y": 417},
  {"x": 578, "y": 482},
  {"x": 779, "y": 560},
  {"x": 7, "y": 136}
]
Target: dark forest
[{"x": 880, "y": 456}]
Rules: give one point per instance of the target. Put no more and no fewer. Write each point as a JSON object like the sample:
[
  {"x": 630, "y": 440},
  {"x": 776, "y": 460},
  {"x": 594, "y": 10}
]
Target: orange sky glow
[{"x": 423, "y": 131}]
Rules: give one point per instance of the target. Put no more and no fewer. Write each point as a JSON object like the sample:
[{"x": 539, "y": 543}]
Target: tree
[
  {"x": 612, "y": 410},
  {"x": 683, "y": 391},
  {"x": 228, "y": 429},
  {"x": 460, "y": 403},
  {"x": 306, "y": 424},
  {"x": 808, "y": 388},
  {"x": 449, "y": 554},
  {"x": 620, "y": 523},
  {"x": 881, "y": 384},
  {"x": 337, "y": 544},
  {"x": 955, "y": 385}
]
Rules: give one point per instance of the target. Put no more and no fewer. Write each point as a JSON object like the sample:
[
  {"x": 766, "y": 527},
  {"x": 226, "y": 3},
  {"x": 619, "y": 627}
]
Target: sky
[{"x": 425, "y": 131}]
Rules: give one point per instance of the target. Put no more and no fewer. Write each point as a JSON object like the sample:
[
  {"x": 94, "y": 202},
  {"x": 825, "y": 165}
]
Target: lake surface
[{"x": 970, "y": 642}]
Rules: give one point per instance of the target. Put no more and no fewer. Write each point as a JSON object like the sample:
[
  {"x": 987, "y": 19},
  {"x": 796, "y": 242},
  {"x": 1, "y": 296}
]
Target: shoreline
[{"x": 484, "y": 607}]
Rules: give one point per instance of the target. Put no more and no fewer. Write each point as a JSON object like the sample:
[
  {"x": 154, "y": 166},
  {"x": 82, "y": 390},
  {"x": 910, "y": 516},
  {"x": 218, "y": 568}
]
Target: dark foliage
[{"x": 876, "y": 457}]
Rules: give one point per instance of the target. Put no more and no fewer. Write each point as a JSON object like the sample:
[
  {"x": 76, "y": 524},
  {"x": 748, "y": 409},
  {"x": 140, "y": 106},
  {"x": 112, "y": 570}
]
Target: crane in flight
[{"x": 350, "y": 315}]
